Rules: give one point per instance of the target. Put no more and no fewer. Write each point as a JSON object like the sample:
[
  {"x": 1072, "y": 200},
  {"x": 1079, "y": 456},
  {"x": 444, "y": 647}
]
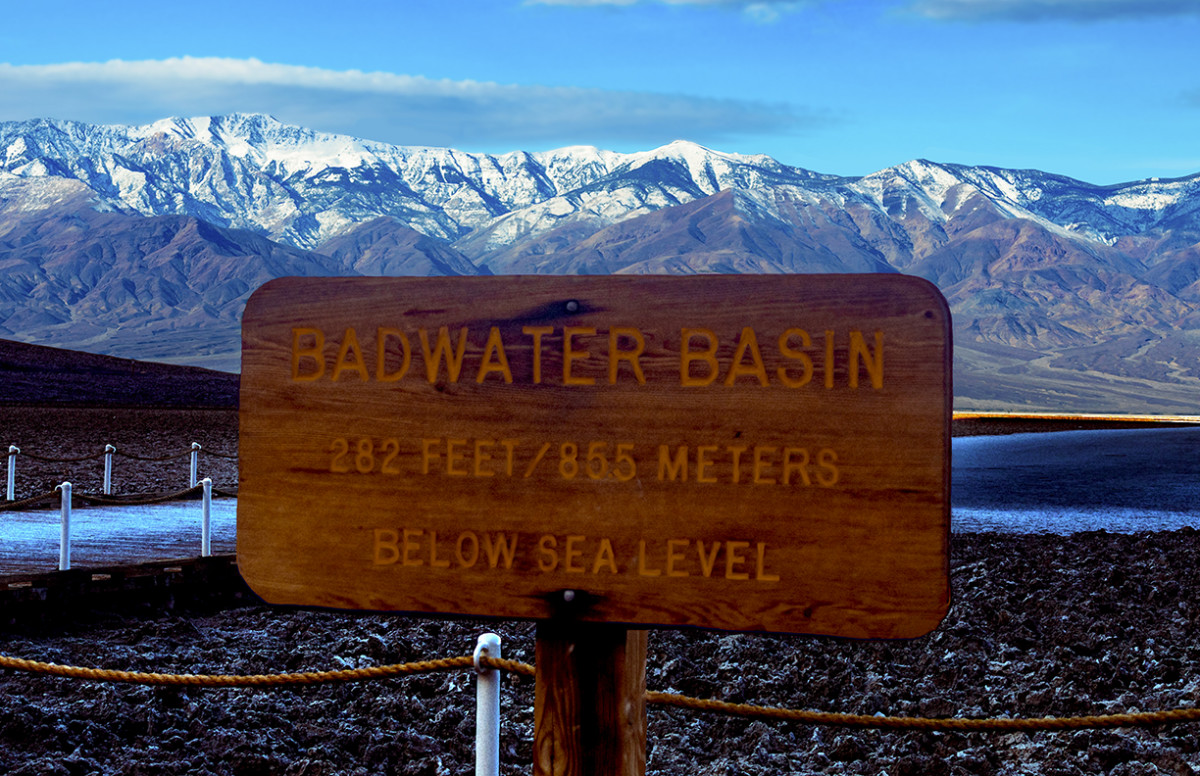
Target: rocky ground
[
  {"x": 1041, "y": 625},
  {"x": 75, "y": 432}
]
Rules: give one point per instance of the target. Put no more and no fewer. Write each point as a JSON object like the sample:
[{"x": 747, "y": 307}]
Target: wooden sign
[{"x": 739, "y": 452}]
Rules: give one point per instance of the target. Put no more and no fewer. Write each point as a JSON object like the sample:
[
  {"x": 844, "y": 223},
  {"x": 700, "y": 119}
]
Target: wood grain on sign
[{"x": 739, "y": 452}]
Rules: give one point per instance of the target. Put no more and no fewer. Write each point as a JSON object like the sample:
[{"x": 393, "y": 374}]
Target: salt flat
[
  {"x": 1145, "y": 479},
  {"x": 105, "y": 536}
]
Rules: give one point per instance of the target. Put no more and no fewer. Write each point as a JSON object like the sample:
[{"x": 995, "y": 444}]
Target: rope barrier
[
  {"x": 45, "y": 459},
  {"x": 128, "y": 500},
  {"x": 226, "y": 680},
  {"x": 927, "y": 724},
  {"x": 108, "y": 450},
  {"x": 31, "y": 501},
  {"x": 134, "y": 500},
  {"x": 743, "y": 710},
  {"x": 122, "y": 454},
  {"x": 153, "y": 459},
  {"x": 262, "y": 680}
]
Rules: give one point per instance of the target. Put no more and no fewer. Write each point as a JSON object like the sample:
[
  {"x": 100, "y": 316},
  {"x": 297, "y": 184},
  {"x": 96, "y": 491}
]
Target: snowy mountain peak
[
  {"x": 684, "y": 150},
  {"x": 304, "y": 187}
]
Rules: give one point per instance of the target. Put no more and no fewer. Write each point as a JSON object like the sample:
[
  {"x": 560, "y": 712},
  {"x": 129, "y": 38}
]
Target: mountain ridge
[
  {"x": 1091, "y": 283},
  {"x": 278, "y": 158}
]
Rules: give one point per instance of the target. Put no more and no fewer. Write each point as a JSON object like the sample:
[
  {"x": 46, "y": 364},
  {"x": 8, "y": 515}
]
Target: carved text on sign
[
  {"x": 588, "y": 356},
  {"x": 571, "y": 554},
  {"x": 733, "y": 464}
]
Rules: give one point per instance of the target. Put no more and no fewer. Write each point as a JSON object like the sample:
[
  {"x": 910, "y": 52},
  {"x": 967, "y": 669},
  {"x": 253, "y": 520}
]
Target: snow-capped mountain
[
  {"x": 303, "y": 187},
  {"x": 145, "y": 241}
]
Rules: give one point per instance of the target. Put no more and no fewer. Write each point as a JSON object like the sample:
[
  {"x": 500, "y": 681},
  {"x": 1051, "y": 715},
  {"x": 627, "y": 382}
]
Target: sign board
[{"x": 738, "y": 452}]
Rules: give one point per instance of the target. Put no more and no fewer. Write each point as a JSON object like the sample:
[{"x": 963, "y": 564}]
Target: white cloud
[
  {"x": 394, "y": 108},
  {"x": 1053, "y": 10}
]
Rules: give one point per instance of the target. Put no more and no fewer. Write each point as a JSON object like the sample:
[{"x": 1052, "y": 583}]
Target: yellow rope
[
  {"x": 748, "y": 711},
  {"x": 258, "y": 680},
  {"x": 26, "y": 502},
  {"x": 1142, "y": 719},
  {"x": 138, "y": 499}
]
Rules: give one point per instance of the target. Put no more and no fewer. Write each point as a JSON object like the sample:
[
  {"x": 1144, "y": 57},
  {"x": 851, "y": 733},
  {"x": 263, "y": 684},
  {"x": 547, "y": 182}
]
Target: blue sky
[{"x": 1101, "y": 90}]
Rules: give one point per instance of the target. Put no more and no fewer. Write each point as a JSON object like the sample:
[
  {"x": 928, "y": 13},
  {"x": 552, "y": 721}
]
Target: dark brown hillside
[
  {"x": 385, "y": 246},
  {"x": 34, "y": 374}
]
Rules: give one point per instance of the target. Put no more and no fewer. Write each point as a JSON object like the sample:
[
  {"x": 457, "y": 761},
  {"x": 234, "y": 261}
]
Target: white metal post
[
  {"x": 487, "y": 709},
  {"x": 13, "y": 452},
  {"x": 206, "y": 519},
  {"x": 108, "y": 454},
  {"x": 195, "y": 460},
  {"x": 64, "y": 544}
]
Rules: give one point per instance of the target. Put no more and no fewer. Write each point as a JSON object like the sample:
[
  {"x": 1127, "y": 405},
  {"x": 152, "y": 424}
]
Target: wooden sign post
[
  {"x": 751, "y": 453},
  {"x": 590, "y": 700}
]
